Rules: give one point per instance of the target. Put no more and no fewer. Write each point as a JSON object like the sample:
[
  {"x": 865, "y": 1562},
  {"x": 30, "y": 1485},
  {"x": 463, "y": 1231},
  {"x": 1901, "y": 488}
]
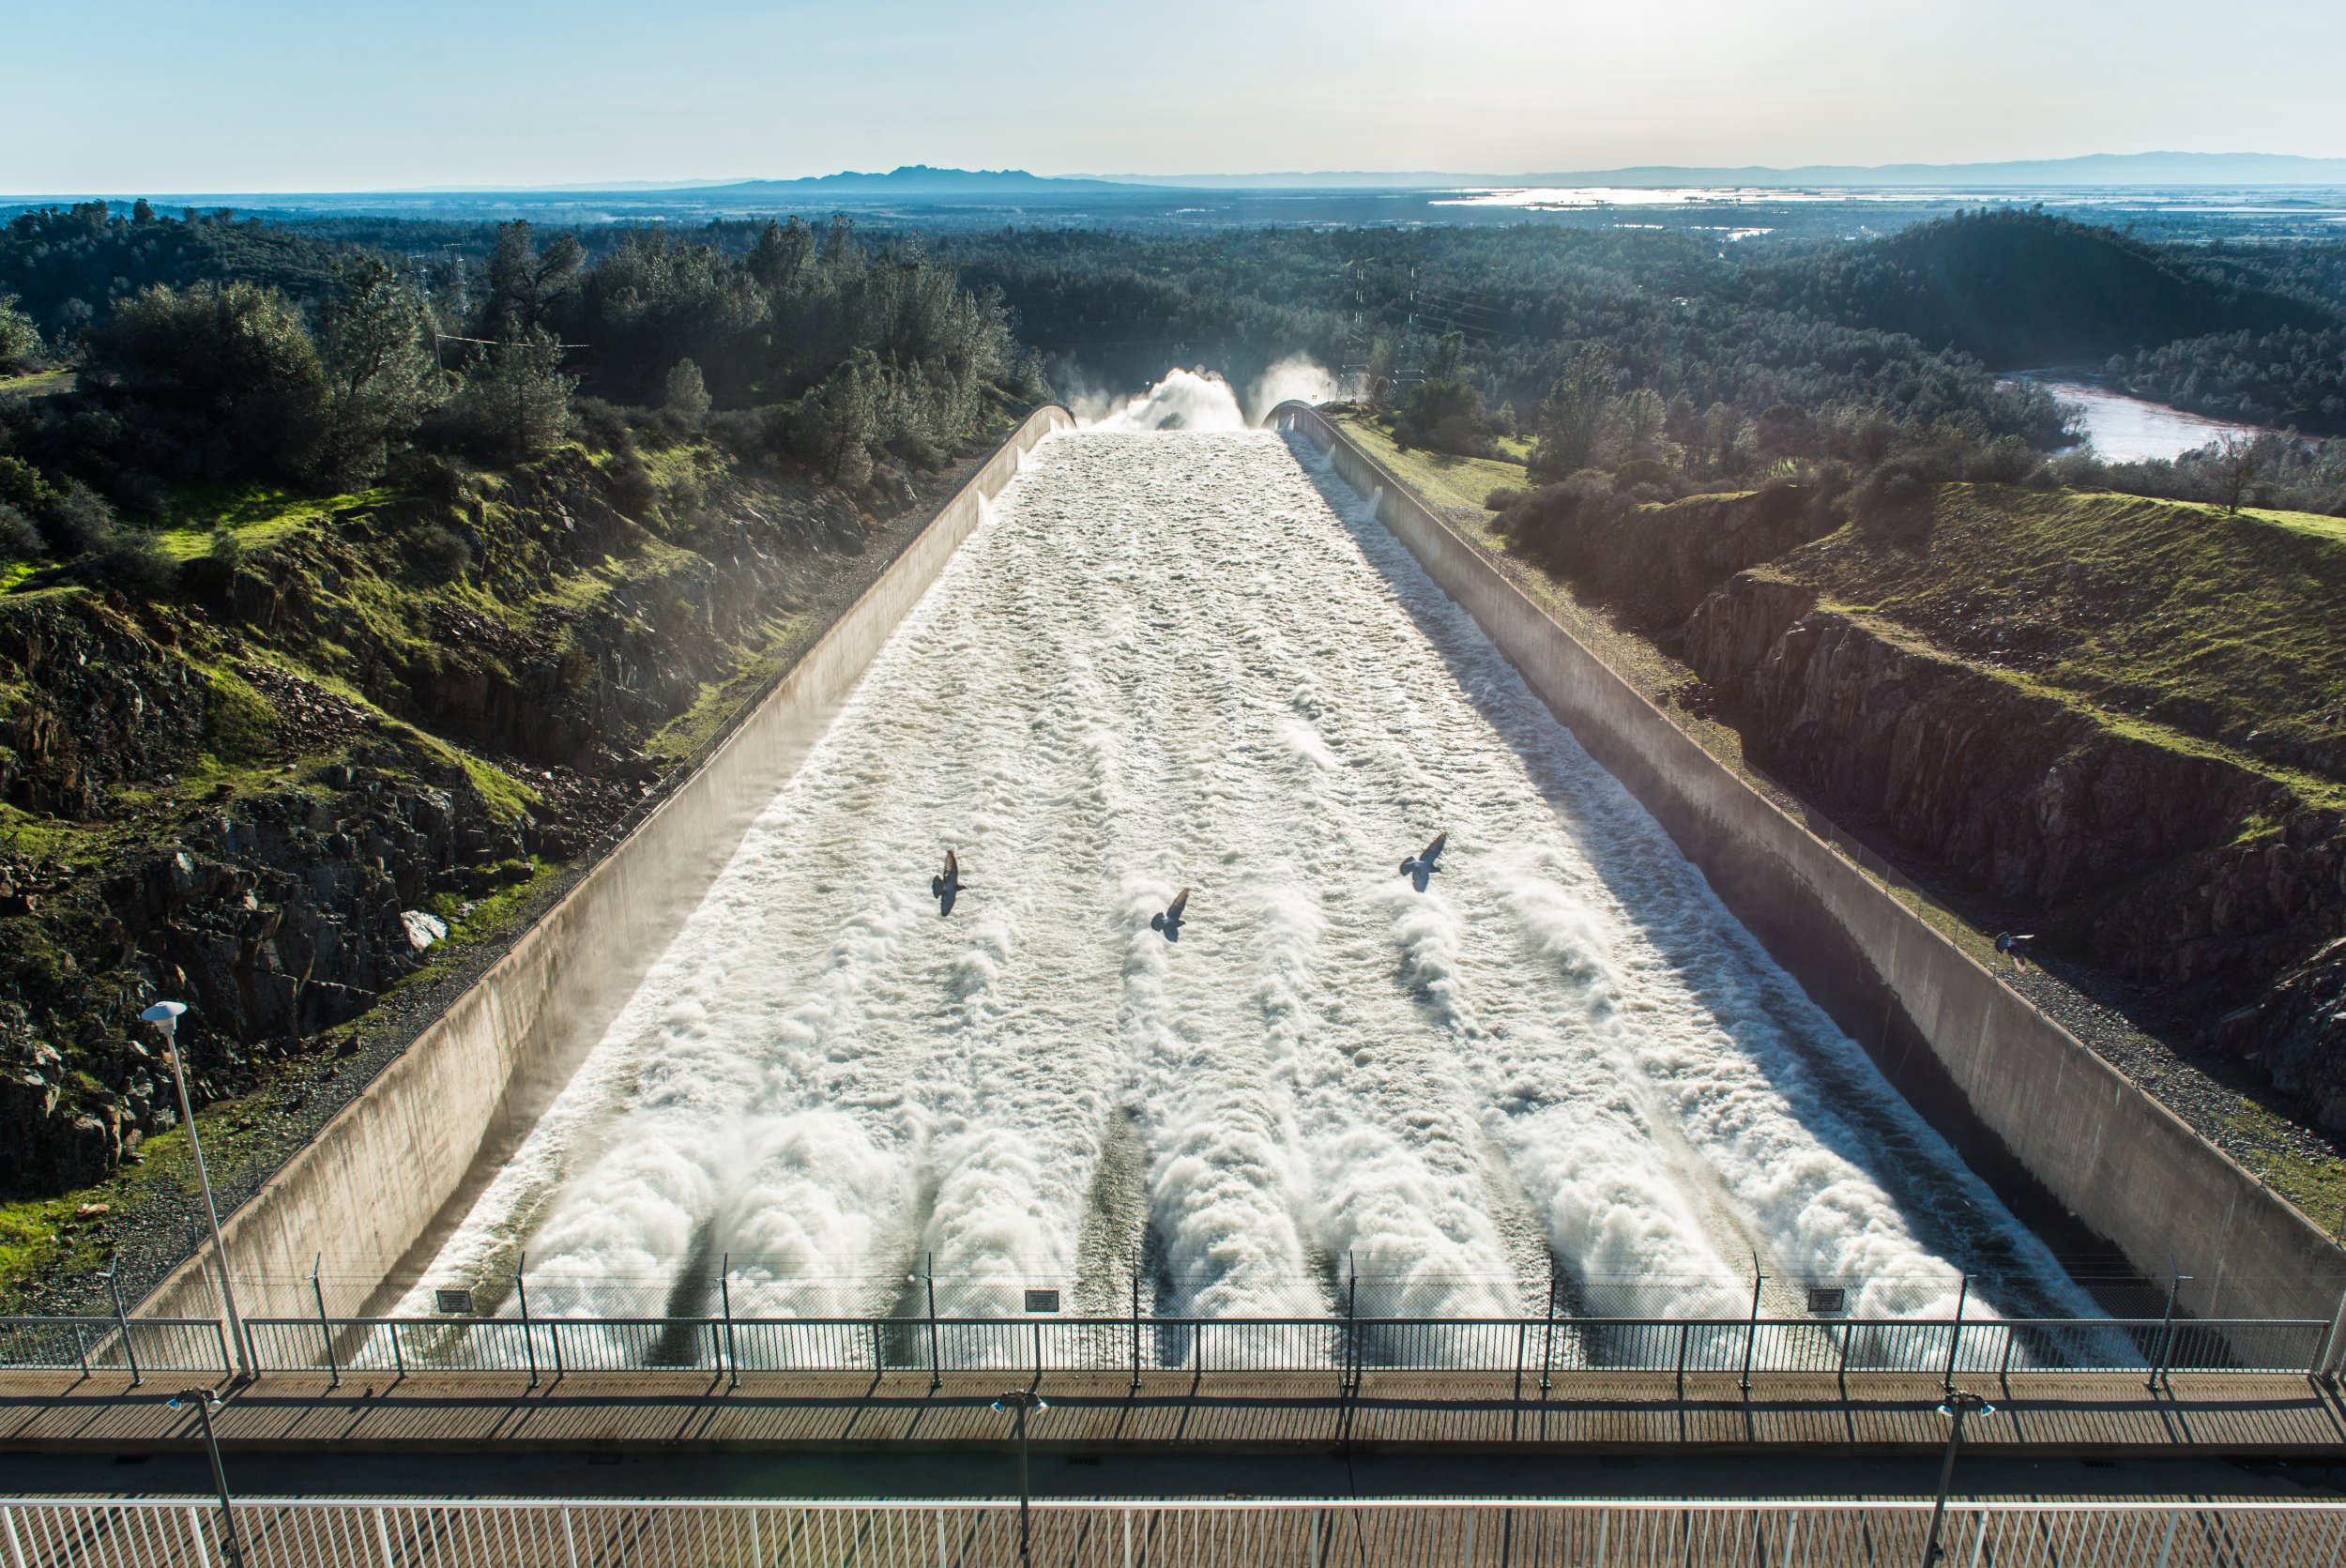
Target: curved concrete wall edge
[
  {"x": 2119, "y": 1160},
  {"x": 389, "y": 1165}
]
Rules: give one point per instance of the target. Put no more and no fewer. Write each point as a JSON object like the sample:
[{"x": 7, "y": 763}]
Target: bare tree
[{"x": 2236, "y": 471}]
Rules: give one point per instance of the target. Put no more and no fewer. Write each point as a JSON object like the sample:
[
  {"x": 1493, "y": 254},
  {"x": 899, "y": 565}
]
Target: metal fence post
[
  {"x": 725, "y": 1298},
  {"x": 1955, "y": 1336},
  {"x": 1682, "y": 1331},
  {"x": 937, "y": 1364},
  {"x": 2325, "y": 1357},
  {"x": 1840, "y": 1372},
  {"x": 1548, "y": 1341},
  {"x": 1351, "y": 1329},
  {"x": 1521, "y": 1330},
  {"x": 80, "y": 1349},
  {"x": 130, "y": 1349},
  {"x": 1136, "y": 1344},
  {"x": 399, "y": 1357},
  {"x": 879, "y": 1351},
  {"x": 326, "y": 1329},
  {"x": 529, "y": 1341},
  {"x": 383, "y": 1538},
  {"x": 2166, "y": 1327},
  {"x": 1751, "y": 1334}
]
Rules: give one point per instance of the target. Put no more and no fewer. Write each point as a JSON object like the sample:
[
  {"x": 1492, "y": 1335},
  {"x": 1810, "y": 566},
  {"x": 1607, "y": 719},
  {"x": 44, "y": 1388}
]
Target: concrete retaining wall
[
  {"x": 382, "y": 1171},
  {"x": 2031, "y": 1108}
]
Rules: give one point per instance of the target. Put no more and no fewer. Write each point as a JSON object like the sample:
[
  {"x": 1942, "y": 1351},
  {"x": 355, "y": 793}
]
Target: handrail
[{"x": 1220, "y": 1533}]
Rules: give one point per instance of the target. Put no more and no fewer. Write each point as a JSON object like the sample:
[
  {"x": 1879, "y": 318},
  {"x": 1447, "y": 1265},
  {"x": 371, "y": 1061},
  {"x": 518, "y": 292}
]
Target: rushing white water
[{"x": 1188, "y": 659}]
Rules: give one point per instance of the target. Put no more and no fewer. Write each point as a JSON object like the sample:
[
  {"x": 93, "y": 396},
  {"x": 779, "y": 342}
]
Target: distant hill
[
  {"x": 912, "y": 179},
  {"x": 2022, "y": 288}
]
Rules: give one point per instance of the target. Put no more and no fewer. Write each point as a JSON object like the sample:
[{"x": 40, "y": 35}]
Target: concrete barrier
[
  {"x": 381, "y": 1173},
  {"x": 2044, "y": 1119}
]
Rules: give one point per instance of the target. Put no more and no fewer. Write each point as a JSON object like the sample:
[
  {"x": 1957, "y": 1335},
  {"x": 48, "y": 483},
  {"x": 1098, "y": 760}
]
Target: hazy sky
[{"x": 125, "y": 96}]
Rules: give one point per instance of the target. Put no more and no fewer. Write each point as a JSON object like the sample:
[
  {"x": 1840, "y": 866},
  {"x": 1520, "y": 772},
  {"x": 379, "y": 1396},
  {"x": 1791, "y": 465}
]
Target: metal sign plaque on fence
[
  {"x": 1826, "y": 1299},
  {"x": 1042, "y": 1301},
  {"x": 453, "y": 1303}
]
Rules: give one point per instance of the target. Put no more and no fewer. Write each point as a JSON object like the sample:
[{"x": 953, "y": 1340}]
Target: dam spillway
[{"x": 1193, "y": 658}]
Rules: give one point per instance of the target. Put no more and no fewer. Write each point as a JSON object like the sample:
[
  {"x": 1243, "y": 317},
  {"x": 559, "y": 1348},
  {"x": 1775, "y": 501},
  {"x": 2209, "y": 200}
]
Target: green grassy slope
[{"x": 2164, "y": 616}]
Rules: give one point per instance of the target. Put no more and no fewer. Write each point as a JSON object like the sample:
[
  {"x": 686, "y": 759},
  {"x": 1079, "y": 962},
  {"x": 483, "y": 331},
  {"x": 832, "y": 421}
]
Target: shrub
[
  {"x": 1504, "y": 497},
  {"x": 439, "y": 553},
  {"x": 1644, "y": 471},
  {"x": 18, "y": 540},
  {"x": 687, "y": 393},
  {"x": 76, "y": 522}
]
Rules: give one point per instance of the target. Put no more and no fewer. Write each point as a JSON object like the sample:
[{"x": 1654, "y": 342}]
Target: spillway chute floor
[{"x": 1189, "y": 659}]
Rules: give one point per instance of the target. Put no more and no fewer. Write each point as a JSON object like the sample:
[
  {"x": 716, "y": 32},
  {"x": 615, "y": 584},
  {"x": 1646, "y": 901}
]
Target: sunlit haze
[{"x": 120, "y": 96}]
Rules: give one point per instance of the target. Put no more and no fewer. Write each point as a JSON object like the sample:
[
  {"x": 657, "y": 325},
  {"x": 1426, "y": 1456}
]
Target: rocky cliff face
[{"x": 2171, "y": 867}]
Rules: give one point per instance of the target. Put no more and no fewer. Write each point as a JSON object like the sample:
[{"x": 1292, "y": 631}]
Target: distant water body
[{"x": 2126, "y": 429}]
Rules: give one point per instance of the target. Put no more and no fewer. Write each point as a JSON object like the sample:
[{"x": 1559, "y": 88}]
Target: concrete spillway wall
[
  {"x": 381, "y": 1172},
  {"x": 2024, "y": 1101}
]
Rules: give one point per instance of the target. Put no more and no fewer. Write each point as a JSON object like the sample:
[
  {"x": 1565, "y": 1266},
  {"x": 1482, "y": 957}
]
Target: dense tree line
[
  {"x": 809, "y": 347},
  {"x": 2291, "y": 378},
  {"x": 71, "y": 267}
]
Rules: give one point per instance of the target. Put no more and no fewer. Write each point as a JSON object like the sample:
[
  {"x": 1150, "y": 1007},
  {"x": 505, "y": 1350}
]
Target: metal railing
[
  {"x": 1309, "y": 1533},
  {"x": 134, "y": 1345},
  {"x": 1525, "y": 1347}
]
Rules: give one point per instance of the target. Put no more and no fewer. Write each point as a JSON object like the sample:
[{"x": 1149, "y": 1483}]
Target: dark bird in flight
[
  {"x": 1170, "y": 921},
  {"x": 946, "y": 886},
  {"x": 1421, "y": 866}
]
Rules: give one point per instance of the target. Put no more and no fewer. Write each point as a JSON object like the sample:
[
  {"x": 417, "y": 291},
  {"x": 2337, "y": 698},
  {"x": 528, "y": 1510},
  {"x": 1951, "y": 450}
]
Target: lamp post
[
  {"x": 165, "y": 1016},
  {"x": 1960, "y": 1403},
  {"x": 1019, "y": 1401},
  {"x": 205, "y": 1401}
]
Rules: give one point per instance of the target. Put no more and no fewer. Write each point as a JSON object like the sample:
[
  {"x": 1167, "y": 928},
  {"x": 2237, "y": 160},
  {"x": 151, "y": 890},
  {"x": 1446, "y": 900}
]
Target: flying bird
[
  {"x": 1421, "y": 866},
  {"x": 946, "y": 887},
  {"x": 1170, "y": 921}
]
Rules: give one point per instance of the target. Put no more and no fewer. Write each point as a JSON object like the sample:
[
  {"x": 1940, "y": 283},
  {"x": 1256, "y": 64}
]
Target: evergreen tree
[
  {"x": 1572, "y": 416},
  {"x": 516, "y": 402},
  {"x": 20, "y": 341},
  {"x": 379, "y": 371},
  {"x": 687, "y": 394}
]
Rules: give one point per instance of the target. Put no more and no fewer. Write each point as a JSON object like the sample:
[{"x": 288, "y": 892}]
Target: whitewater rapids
[{"x": 1191, "y": 658}]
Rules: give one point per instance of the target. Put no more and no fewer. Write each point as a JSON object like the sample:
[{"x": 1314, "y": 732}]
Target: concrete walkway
[{"x": 2043, "y": 1415}]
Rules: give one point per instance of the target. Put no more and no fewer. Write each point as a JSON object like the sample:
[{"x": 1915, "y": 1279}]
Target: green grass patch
[
  {"x": 37, "y": 384},
  {"x": 2175, "y": 622},
  {"x": 2316, "y": 1185},
  {"x": 1435, "y": 478},
  {"x": 258, "y": 515}
]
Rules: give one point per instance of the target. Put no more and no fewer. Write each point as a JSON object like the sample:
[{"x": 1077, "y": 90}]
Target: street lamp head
[
  {"x": 1968, "y": 1403},
  {"x": 166, "y": 1014},
  {"x": 204, "y": 1396},
  {"x": 1021, "y": 1399}
]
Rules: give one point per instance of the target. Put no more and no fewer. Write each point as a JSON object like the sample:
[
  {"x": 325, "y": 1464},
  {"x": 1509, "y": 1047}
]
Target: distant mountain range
[{"x": 917, "y": 180}]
